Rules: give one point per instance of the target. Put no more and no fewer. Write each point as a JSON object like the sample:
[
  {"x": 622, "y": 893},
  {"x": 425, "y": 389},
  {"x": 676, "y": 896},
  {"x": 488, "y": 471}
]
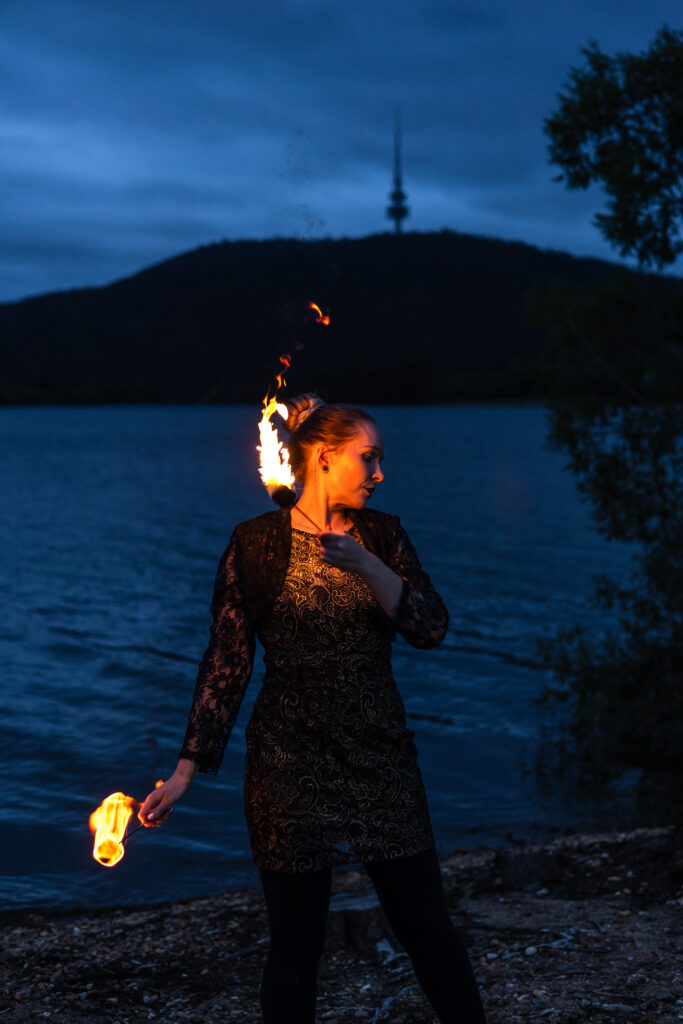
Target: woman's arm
[
  {"x": 385, "y": 584},
  {"x": 222, "y": 680},
  {"x": 224, "y": 671},
  {"x": 421, "y": 616},
  {"x": 403, "y": 588}
]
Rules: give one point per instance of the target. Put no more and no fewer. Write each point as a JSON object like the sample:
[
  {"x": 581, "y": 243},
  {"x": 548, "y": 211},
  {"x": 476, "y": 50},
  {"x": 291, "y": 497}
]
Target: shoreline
[
  {"x": 651, "y": 815},
  {"x": 585, "y": 926}
]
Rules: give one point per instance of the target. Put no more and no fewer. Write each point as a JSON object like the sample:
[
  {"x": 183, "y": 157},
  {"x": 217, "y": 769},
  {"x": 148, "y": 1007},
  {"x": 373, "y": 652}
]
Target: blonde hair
[{"x": 311, "y": 421}]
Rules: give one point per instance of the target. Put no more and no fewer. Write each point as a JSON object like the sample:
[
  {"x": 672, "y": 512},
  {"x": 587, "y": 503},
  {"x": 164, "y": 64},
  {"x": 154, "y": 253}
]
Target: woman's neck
[{"x": 316, "y": 509}]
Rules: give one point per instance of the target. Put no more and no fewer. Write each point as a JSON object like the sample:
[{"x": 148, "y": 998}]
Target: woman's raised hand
[
  {"x": 157, "y": 806},
  {"x": 342, "y": 551}
]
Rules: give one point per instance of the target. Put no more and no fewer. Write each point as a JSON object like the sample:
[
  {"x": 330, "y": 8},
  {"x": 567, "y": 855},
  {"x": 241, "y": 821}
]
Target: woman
[{"x": 331, "y": 769}]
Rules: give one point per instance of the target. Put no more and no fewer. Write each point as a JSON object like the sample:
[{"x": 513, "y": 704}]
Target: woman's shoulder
[
  {"x": 260, "y": 528},
  {"x": 277, "y": 519},
  {"x": 378, "y": 529},
  {"x": 263, "y": 525},
  {"x": 271, "y": 526},
  {"x": 260, "y": 549},
  {"x": 374, "y": 517}
]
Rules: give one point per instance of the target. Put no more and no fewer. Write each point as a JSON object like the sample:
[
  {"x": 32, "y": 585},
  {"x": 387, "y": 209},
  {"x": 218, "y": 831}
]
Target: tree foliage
[
  {"x": 614, "y": 363},
  {"x": 625, "y": 689},
  {"x": 620, "y": 124}
]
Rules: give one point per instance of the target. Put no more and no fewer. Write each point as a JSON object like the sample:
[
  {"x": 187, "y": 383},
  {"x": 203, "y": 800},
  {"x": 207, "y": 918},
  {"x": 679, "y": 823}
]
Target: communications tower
[{"x": 397, "y": 210}]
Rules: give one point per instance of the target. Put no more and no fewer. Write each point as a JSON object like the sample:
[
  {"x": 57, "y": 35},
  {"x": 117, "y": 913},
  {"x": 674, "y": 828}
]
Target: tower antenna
[{"x": 397, "y": 210}]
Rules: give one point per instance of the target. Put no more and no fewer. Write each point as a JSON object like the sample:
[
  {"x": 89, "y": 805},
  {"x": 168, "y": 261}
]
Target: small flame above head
[
  {"x": 286, "y": 361},
  {"x": 276, "y": 473},
  {"x": 320, "y": 317},
  {"x": 109, "y": 823}
]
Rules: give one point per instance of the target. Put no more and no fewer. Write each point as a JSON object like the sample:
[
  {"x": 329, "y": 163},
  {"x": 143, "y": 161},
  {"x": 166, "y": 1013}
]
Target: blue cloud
[{"x": 131, "y": 132}]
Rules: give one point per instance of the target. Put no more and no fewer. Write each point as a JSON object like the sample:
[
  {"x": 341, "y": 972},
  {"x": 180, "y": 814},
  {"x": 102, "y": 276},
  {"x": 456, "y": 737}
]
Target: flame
[
  {"x": 274, "y": 461},
  {"x": 321, "y": 318},
  {"x": 276, "y": 473},
  {"x": 286, "y": 361},
  {"x": 109, "y": 823}
]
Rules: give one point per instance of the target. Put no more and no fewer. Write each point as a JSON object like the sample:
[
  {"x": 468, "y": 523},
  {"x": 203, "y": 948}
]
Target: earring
[{"x": 325, "y": 469}]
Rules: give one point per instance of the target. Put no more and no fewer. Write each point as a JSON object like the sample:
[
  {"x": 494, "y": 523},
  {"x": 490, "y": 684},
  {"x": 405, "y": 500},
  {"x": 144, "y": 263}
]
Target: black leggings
[{"x": 410, "y": 891}]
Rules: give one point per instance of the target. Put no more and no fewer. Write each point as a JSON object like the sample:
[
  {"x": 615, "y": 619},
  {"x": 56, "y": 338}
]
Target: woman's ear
[{"x": 321, "y": 458}]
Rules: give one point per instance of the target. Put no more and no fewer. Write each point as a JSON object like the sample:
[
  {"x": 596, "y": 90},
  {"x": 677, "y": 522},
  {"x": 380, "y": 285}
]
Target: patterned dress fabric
[{"x": 331, "y": 768}]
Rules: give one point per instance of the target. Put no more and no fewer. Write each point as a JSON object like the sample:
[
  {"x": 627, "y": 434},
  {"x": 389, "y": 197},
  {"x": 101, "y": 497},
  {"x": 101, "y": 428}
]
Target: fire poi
[
  {"x": 109, "y": 823},
  {"x": 276, "y": 473}
]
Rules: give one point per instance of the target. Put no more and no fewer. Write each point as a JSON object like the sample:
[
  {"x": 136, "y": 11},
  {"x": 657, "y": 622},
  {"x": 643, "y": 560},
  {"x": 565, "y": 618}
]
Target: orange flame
[
  {"x": 279, "y": 377},
  {"x": 274, "y": 458},
  {"x": 109, "y": 823},
  {"x": 274, "y": 461},
  {"x": 321, "y": 318}
]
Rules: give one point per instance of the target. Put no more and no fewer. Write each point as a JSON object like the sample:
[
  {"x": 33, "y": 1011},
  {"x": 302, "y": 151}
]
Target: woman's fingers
[
  {"x": 159, "y": 803},
  {"x": 329, "y": 552},
  {"x": 340, "y": 550},
  {"x": 159, "y": 817},
  {"x": 335, "y": 542},
  {"x": 153, "y": 808}
]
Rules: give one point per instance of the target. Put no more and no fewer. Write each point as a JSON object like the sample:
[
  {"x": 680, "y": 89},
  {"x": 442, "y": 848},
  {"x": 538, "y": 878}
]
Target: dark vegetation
[
  {"x": 615, "y": 385},
  {"x": 417, "y": 318}
]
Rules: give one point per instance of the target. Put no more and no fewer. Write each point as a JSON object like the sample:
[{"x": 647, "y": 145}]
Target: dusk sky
[{"x": 138, "y": 129}]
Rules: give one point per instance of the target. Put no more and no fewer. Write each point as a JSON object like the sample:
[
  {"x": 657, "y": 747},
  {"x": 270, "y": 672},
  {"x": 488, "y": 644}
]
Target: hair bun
[{"x": 300, "y": 408}]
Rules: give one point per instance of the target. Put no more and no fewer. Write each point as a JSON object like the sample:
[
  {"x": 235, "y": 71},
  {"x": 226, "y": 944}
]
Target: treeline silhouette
[{"x": 433, "y": 317}]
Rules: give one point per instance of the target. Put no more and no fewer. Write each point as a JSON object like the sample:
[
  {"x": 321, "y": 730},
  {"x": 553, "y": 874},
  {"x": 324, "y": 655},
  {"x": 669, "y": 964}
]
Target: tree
[{"x": 620, "y": 123}]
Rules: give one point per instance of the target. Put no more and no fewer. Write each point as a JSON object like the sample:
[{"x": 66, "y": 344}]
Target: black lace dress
[{"x": 331, "y": 768}]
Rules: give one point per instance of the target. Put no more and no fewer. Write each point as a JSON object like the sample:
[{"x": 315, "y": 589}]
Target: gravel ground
[{"x": 581, "y": 928}]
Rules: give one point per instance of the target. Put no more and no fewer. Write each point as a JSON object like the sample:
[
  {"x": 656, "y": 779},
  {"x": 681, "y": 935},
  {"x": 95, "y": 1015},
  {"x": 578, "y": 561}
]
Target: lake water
[{"x": 113, "y": 521}]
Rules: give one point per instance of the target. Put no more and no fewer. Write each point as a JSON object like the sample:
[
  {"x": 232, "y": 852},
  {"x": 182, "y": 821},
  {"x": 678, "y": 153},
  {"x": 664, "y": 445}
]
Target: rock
[
  {"x": 618, "y": 1008},
  {"x": 356, "y": 922},
  {"x": 523, "y": 867}
]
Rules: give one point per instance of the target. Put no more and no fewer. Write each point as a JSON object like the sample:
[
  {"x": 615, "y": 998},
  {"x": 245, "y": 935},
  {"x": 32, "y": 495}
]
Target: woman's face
[{"x": 354, "y": 469}]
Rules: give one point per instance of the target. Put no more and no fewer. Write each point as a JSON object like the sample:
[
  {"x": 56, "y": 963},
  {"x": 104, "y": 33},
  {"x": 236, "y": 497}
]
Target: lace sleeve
[
  {"x": 421, "y": 616},
  {"x": 224, "y": 670}
]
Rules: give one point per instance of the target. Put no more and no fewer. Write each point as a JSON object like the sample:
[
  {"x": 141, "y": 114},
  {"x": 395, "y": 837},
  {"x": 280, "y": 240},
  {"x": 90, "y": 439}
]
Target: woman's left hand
[{"x": 342, "y": 551}]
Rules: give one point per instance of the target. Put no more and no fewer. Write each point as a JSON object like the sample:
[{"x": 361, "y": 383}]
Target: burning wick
[
  {"x": 108, "y": 824},
  {"x": 276, "y": 473},
  {"x": 275, "y": 470}
]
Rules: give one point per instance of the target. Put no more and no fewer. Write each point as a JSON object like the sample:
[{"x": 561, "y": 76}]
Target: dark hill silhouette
[{"x": 416, "y": 318}]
